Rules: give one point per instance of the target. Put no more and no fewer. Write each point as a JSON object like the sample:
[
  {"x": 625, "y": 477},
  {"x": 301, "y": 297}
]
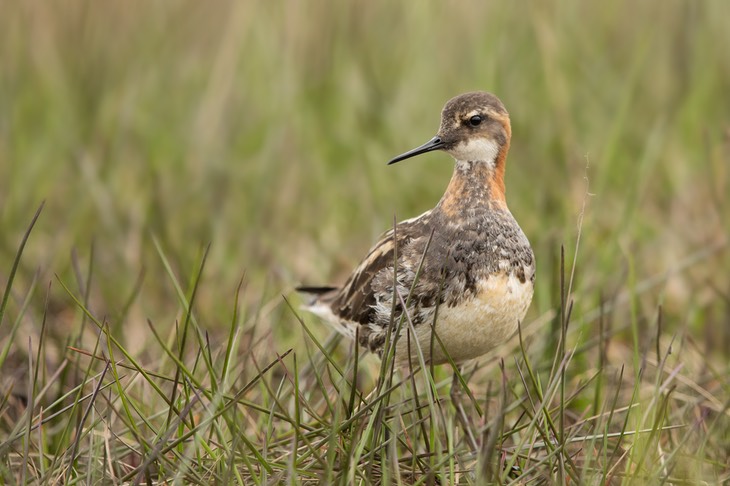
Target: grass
[{"x": 197, "y": 163}]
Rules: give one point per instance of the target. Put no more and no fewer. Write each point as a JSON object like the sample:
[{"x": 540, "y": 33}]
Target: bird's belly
[{"x": 479, "y": 323}]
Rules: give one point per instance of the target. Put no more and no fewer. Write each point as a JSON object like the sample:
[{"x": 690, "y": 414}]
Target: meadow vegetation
[{"x": 194, "y": 163}]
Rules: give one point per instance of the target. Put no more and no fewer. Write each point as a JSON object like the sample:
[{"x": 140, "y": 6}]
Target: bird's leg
[{"x": 461, "y": 415}]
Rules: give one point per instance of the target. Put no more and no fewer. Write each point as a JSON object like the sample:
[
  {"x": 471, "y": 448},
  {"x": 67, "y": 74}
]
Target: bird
[{"x": 464, "y": 269}]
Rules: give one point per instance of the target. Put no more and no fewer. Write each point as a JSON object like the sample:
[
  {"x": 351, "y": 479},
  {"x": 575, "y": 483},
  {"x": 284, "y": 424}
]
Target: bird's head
[{"x": 475, "y": 127}]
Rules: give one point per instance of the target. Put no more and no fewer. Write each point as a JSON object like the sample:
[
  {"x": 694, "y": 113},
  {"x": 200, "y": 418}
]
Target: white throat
[{"x": 476, "y": 150}]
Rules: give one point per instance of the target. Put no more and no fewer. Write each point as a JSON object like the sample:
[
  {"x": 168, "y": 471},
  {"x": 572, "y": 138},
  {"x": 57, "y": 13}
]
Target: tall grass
[{"x": 197, "y": 162}]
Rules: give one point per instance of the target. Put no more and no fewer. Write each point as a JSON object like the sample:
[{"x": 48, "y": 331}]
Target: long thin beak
[{"x": 434, "y": 144}]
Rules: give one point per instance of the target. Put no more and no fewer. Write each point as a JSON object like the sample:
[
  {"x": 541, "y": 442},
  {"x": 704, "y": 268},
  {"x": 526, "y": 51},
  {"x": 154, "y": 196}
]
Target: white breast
[{"x": 478, "y": 324}]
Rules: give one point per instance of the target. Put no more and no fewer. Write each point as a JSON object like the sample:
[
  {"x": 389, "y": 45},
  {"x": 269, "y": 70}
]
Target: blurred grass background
[{"x": 264, "y": 128}]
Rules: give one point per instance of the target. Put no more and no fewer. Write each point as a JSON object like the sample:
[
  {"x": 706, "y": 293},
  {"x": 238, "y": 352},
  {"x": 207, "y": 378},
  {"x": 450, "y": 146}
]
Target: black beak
[{"x": 434, "y": 144}]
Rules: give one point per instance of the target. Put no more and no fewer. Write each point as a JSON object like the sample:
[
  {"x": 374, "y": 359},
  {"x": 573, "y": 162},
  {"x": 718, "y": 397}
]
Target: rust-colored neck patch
[
  {"x": 476, "y": 184},
  {"x": 496, "y": 183}
]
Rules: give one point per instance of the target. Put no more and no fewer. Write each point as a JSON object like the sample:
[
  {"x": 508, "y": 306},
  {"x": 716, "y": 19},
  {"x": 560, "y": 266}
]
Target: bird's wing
[{"x": 355, "y": 300}]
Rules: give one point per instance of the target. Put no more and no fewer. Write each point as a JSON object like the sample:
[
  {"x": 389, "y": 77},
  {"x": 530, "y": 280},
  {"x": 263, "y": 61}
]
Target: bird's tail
[
  {"x": 319, "y": 304},
  {"x": 315, "y": 290},
  {"x": 316, "y": 295}
]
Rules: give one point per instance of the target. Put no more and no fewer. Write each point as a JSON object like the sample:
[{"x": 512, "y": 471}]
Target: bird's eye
[{"x": 475, "y": 120}]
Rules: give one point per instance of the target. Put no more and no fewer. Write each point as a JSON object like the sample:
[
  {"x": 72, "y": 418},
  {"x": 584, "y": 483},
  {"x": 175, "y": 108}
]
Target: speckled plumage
[{"x": 478, "y": 267}]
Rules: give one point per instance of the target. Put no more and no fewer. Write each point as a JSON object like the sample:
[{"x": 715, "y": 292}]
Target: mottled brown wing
[{"x": 354, "y": 302}]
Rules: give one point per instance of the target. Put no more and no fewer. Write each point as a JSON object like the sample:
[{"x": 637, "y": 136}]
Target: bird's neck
[{"x": 476, "y": 184}]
